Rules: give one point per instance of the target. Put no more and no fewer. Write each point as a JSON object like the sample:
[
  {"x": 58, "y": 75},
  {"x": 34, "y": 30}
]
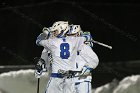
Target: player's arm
[
  {"x": 41, "y": 63},
  {"x": 89, "y": 56},
  {"x": 45, "y": 65},
  {"x": 43, "y": 41},
  {"x": 43, "y": 36},
  {"x": 87, "y": 53},
  {"x": 44, "y": 56},
  {"x": 91, "y": 59}
]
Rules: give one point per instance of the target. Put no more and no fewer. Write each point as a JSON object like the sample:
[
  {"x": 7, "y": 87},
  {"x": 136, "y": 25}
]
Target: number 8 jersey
[{"x": 64, "y": 51}]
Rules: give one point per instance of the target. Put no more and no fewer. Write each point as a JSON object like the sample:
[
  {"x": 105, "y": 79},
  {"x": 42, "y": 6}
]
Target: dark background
[{"x": 115, "y": 23}]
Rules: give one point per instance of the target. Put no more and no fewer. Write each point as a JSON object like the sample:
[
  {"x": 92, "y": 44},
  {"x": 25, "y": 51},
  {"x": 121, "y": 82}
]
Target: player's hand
[
  {"x": 40, "y": 65},
  {"x": 87, "y": 35},
  {"x": 89, "y": 39},
  {"x": 38, "y": 74},
  {"x": 46, "y": 31},
  {"x": 86, "y": 71}
]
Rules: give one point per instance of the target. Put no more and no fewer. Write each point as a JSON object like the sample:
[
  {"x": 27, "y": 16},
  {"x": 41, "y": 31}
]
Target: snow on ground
[
  {"x": 23, "y": 81},
  {"x": 130, "y": 84},
  {"x": 107, "y": 88}
]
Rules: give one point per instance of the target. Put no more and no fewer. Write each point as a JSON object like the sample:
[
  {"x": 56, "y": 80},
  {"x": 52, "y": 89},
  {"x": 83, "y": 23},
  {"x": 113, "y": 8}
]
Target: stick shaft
[
  {"x": 102, "y": 44},
  {"x": 38, "y": 81}
]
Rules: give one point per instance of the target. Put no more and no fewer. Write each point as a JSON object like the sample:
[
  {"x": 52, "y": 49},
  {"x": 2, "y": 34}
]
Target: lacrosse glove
[
  {"x": 39, "y": 67},
  {"x": 86, "y": 71}
]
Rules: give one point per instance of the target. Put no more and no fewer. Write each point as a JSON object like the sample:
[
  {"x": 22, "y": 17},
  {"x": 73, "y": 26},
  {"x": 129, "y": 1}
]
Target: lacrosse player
[
  {"x": 64, "y": 51},
  {"x": 86, "y": 61}
]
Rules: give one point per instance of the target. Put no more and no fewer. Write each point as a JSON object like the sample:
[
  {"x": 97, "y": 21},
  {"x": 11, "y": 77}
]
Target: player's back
[
  {"x": 64, "y": 52},
  {"x": 88, "y": 58}
]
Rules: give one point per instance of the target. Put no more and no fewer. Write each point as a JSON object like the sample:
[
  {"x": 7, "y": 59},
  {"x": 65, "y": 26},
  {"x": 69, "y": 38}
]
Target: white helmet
[
  {"x": 61, "y": 27},
  {"x": 73, "y": 29}
]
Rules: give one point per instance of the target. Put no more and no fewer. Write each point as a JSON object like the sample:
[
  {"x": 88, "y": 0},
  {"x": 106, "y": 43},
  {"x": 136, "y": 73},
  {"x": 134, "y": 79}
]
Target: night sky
[{"x": 113, "y": 23}]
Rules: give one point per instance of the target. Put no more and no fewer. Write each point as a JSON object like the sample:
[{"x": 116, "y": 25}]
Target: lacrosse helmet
[
  {"x": 60, "y": 27},
  {"x": 74, "y": 29}
]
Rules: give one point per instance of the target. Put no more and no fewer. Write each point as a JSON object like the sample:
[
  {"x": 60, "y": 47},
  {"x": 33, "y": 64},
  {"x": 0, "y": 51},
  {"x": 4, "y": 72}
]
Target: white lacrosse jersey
[
  {"x": 86, "y": 57},
  {"x": 64, "y": 51}
]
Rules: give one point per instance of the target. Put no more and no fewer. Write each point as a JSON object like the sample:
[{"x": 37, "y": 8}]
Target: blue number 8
[{"x": 64, "y": 54}]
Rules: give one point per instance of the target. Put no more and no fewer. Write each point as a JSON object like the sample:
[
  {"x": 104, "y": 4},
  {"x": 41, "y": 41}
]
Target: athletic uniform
[
  {"x": 86, "y": 61},
  {"x": 64, "y": 52},
  {"x": 46, "y": 55},
  {"x": 88, "y": 58}
]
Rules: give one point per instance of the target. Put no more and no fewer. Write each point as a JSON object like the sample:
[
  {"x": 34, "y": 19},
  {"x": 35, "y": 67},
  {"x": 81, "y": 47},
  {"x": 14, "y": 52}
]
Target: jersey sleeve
[
  {"x": 43, "y": 41},
  {"x": 89, "y": 56},
  {"x": 45, "y": 56}
]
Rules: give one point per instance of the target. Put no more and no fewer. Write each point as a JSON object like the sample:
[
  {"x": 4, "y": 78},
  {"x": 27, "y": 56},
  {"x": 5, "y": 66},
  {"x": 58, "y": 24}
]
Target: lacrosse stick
[
  {"x": 38, "y": 81},
  {"x": 102, "y": 44}
]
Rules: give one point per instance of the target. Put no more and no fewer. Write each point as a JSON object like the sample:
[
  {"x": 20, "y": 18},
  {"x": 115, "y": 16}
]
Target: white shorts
[
  {"x": 83, "y": 87},
  {"x": 60, "y": 85}
]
